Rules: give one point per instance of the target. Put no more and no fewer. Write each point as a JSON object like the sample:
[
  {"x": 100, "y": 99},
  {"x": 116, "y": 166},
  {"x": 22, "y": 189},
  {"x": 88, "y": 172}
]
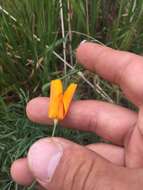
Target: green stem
[{"x": 54, "y": 127}]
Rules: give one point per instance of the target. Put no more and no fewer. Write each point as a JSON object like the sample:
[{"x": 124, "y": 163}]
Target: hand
[{"x": 57, "y": 163}]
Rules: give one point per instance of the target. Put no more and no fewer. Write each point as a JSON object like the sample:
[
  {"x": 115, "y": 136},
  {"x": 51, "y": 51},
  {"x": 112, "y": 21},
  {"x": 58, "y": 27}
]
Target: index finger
[{"x": 122, "y": 68}]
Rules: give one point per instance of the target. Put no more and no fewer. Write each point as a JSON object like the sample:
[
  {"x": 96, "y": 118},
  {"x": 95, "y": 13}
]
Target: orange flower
[{"x": 59, "y": 101}]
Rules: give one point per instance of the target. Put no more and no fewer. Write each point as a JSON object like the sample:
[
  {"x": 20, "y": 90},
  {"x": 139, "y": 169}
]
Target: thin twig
[
  {"x": 88, "y": 37},
  {"x": 69, "y": 30},
  {"x": 87, "y": 16},
  {"x": 7, "y": 13},
  {"x": 63, "y": 34},
  {"x": 98, "y": 89}
]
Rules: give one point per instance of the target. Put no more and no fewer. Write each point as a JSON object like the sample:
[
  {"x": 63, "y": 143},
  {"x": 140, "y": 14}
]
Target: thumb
[{"x": 57, "y": 163}]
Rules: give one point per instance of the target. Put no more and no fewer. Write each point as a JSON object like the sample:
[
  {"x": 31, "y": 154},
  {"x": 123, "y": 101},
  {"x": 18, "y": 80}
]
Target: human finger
[
  {"x": 134, "y": 143},
  {"x": 22, "y": 175},
  {"x": 108, "y": 121},
  {"x": 20, "y": 172},
  {"x": 112, "y": 153},
  {"x": 122, "y": 68},
  {"x": 60, "y": 164}
]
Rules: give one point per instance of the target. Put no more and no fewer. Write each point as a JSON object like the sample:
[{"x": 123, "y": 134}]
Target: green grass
[{"x": 30, "y": 34}]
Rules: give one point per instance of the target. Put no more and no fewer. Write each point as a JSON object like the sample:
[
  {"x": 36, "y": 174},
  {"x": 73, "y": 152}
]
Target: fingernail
[
  {"x": 43, "y": 158},
  {"x": 83, "y": 41}
]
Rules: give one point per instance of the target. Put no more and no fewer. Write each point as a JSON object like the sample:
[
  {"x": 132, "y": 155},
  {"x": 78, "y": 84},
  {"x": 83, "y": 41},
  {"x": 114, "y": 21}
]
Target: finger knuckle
[{"x": 79, "y": 172}]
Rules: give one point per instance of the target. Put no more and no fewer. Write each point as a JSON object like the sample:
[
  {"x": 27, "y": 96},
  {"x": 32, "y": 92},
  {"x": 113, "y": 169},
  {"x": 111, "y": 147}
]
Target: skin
[{"x": 101, "y": 166}]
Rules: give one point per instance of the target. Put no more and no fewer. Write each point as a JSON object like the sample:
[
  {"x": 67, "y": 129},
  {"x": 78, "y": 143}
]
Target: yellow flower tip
[{"x": 59, "y": 102}]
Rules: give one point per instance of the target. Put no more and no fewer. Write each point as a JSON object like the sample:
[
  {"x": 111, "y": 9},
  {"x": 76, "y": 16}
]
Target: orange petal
[
  {"x": 56, "y": 91},
  {"x": 61, "y": 109},
  {"x": 68, "y": 95}
]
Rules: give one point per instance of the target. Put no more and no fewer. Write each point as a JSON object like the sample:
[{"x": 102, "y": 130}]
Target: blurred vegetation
[{"x": 30, "y": 34}]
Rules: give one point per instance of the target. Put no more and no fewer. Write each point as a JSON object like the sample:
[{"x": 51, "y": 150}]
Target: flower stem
[{"x": 54, "y": 127}]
